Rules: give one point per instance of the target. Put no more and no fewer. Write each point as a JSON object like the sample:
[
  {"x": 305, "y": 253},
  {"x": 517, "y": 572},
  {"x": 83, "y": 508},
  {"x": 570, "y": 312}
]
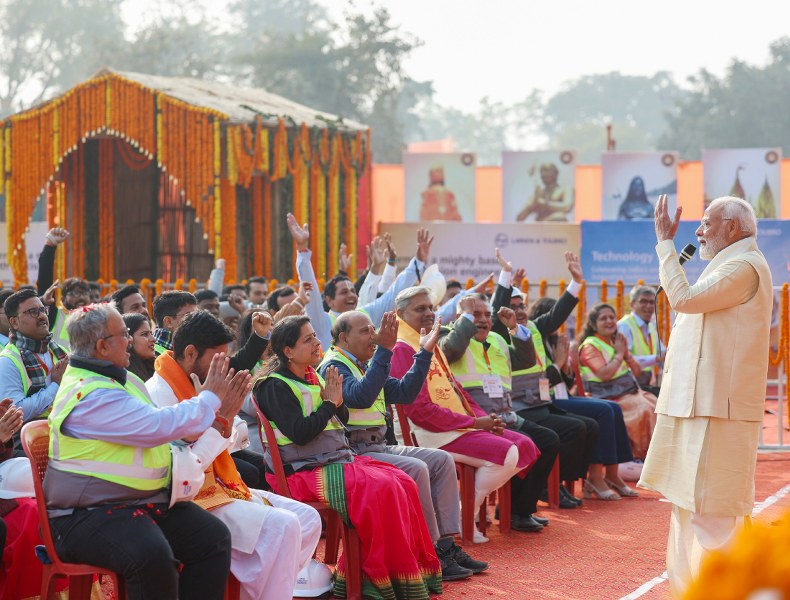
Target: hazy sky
[{"x": 506, "y": 48}]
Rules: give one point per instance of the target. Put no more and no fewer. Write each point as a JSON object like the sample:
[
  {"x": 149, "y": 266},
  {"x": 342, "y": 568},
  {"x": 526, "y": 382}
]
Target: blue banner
[{"x": 626, "y": 250}]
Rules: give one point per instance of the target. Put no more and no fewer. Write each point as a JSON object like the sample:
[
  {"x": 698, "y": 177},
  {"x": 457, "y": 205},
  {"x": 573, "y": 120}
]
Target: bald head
[{"x": 354, "y": 332}]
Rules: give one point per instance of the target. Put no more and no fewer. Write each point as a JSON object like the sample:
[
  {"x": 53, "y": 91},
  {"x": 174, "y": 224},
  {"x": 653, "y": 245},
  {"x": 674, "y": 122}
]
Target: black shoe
[
  {"x": 541, "y": 520},
  {"x": 564, "y": 493},
  {"x": 466, "y": 561},
  {"x": 566, "y": 500},
  {"x": 522, "y": 523},
  {"x": 451, "y": 570}
]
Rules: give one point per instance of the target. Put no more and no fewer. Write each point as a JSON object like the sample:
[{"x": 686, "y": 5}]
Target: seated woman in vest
[
  {"x": 612, "y": 445},
  {"x": 379, "y": 500},
  {"x": 609, "y": 371}
]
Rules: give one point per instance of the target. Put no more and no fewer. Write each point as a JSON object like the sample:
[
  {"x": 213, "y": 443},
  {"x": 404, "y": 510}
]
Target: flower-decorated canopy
[{"x": 182, "y": 170}]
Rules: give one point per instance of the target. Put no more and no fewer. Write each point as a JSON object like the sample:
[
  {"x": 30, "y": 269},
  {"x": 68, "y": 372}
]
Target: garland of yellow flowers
[
  {"x": 782, "y": 355},
  {"x": 757, "y": 560},
  {"x": 620, "y": 299},
  {"x": 542, "y": 288},
  {"x": 604, "y": 293},
  {"x": 562, "y": 285},
  {"x": 228, "y": 220},
  {"x": 333, "y": 206}
]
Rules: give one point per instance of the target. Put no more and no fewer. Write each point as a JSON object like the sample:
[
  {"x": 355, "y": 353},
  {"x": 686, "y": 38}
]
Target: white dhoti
[
  {"x": 270, "y": 544},
  {"x": 705, "y": 466}
]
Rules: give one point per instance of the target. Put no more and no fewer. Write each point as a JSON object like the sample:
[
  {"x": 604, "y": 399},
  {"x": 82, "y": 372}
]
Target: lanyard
[
  {"x": 488, "y": 362},
  {"x": 43, "y": 364}
]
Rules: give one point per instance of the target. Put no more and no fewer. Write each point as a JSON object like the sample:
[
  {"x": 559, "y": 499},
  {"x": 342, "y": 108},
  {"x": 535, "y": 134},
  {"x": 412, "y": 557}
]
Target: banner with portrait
[
  {"x": 439, "y": 187},
  {"x": 538, "y": 186},
  {"x": 753, "y": 174},
  {"x": 632, "y": 182}
]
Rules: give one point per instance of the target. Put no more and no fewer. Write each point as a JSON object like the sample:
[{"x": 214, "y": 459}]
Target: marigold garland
[
  {"x": 542, "y": 285},
  {"x": 604, "y": 291}
]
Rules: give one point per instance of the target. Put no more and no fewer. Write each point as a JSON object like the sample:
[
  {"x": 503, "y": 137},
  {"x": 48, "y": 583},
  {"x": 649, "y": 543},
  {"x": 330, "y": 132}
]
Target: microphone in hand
[{"x": 685, "y": 255}]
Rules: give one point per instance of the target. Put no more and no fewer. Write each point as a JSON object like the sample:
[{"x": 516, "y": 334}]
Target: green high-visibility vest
[
  {"x": 359, "y": 417},
  {"x": 472, "y": 366},
  {"x": 138, "y": 468},
  {"x": 608, "y": 353},
  {"x": 15, "y": 356},
  {"x": 60, "y": 334},
  {"x": 310, "y": 400},
  {"x": 540, "y": 352},
  {"x": 641, "y": 346}
]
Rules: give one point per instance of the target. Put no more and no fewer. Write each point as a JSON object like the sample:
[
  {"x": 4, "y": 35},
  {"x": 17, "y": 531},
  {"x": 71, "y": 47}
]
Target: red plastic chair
[
  {"x": 466, "y": 478},
  {"x": 35, "y": 442},
  {"x": 335, "y": 528}
]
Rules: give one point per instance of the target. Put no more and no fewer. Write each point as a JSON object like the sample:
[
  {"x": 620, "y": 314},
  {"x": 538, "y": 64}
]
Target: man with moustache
[
  {"x": 642, "y": 334},
  {"x": 703, "y": 454}
]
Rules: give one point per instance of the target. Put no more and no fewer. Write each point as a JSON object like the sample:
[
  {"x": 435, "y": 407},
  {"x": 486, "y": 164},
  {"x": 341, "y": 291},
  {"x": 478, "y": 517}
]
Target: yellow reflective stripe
[
  {"x": 359, "y": 416},
  {"x": 12, "y": 353},
  {"x": 608, "y": 353},
  {"x": 95, "y": 467}
]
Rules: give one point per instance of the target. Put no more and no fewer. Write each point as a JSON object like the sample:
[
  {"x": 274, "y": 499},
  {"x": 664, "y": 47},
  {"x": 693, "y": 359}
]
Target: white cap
[
  {"x": 314, "y": 580},
  {"x": 435, "y": 282},
  {"x": 188, "y": 474},
  {"x": 16, "y": 479}
]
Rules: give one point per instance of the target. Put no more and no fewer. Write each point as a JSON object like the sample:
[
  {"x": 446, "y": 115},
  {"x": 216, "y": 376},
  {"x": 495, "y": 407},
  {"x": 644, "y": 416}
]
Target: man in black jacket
[{"x": 532, "y": 388}]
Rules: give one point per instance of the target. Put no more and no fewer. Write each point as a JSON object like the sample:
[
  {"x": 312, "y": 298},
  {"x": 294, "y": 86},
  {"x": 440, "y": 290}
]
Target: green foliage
[
  {"x": 48, "y": 45},
  {"x": 745, "y": 108}
]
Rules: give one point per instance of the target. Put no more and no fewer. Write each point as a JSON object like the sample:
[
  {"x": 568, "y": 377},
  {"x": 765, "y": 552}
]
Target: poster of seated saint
[
  {"x": 538, "y": 186},
  {"x": 439, "y": 187}
]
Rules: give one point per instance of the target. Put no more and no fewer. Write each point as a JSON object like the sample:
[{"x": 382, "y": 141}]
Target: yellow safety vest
[
  {"x": 310, "y": 400},
  {"x": 641, "y": 346},
  {"x": 359, "y": 417},
  {"x": 470, "y": 369},
  {"x": 12, "y": 352},
  {"x": 60, "y": 334},
  {"x": 608, "y": 353},
  {"x": 540, "y": 352},
  {"x": 145, "y": 469}
]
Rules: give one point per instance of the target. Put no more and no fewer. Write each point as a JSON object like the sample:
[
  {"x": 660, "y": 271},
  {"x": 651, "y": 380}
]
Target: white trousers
[
  {"x": 285, "y": 543},
  {"x": 489, "y": 476},
  {"x": 691, "y": 536}
]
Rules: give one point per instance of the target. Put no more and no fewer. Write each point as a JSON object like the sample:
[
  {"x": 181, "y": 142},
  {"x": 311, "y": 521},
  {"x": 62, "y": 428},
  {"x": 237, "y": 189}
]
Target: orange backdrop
[{"x": 388, "y": 192}]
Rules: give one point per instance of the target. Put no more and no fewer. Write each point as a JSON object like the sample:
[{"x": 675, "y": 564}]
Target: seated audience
[{"x": 141, "y": 350}]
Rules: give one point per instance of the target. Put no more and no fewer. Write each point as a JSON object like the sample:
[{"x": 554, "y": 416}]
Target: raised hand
[
  {"x": 507, "y": 316},
  {"x": 332, "y": 391},
  {"x": 467, "y": 305},
  {"x": 344, "y": 259},
  {"x": 561, "y": 351},
  {"x": 378, "y": 255},
  {"x": 574, "y": 267},
  {"x": 238, "y": 388},
  {"x": 504, "y": 264},
  {"x": 49, "y": 296},
  {"x": 220, "y": 264},
  {"x": 10, "y": 420},
  {"x": 481, "y": 287},
  {"x": 424, "y": 241},
  {"x": 237, "y": 303},
  {"x": 620, "y": 344},
  {"x": 305, "y": 288},
  {"x": 392, "y": 254},
  {"x": 218, "y": 377},
  {"x": 518, "y": 277},
  {"x": 262, "y": 323},
  {"x": 428, "y": 340},
  {"x": 387, "y": 335},
  {"x": 300, "y": 235},
  {"x": 666, "y": 227},
  {"x": 56, "y": 236},
  {"x": 56, "y": 372}
]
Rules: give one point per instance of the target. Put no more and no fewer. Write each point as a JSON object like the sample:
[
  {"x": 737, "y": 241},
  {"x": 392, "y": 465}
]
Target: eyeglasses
[
  {"x": 34, "y": 312},
  {"x": 705, "y": 224},
  {"x": 125, "y": 334}
]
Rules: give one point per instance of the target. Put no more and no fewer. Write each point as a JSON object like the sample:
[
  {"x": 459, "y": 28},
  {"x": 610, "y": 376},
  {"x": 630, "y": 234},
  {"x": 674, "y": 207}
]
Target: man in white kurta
[
  {"x": 703, "y": 454},
  {"x": 270, "y": 544}
]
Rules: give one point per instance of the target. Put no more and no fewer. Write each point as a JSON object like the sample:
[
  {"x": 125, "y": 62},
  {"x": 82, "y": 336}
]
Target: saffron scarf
[
  {"x": 440, "y": 382},
  {"x": 223, "y": 483}
]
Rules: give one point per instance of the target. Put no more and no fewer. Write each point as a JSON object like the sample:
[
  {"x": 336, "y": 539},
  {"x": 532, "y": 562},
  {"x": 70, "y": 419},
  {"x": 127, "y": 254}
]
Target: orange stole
[{"x": 223, "y": 484}]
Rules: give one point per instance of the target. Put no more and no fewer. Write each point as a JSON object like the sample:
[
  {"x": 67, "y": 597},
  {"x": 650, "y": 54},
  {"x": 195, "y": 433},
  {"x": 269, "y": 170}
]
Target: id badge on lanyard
[
  {"x": 544, "y": 387},
  {"x": 492, "y": 386}
]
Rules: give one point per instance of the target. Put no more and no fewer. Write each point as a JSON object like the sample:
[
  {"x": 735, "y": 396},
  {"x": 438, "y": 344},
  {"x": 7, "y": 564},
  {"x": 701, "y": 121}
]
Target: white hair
[
  {"x": 87, "y": 325},
  {"x": 739, "y": 210},
  {"x": 403, "y": 299}
]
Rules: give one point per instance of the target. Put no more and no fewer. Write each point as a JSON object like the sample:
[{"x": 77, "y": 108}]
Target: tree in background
[
  {"x": 48, "y": 45},
  {"x": 746, "y": 108}
]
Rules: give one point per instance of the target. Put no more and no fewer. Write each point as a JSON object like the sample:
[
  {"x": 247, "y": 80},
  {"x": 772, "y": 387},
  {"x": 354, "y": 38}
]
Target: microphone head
[{"x": 687, "y": 252}]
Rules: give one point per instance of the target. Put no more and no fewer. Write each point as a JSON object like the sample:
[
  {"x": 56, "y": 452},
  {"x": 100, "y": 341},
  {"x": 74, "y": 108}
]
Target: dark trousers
[
  {"x": 524, "y": 492},
  {"x": 613, "y": 445},
  {"x": 146, "y": 544},
  {"x": 250, "y": 466}
]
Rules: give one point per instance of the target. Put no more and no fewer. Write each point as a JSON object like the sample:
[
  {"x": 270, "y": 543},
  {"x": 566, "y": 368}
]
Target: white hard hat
[
  {"x": 188, "y": 474},
  {"x": 16, "y": 479},
  {"x": 314, "y": 580},
  {"x": 435, "y": 282}
]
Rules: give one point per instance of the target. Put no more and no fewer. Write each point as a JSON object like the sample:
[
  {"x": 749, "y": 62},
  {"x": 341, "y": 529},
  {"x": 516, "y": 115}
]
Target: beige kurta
[{"x": 704, "y": 449}]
